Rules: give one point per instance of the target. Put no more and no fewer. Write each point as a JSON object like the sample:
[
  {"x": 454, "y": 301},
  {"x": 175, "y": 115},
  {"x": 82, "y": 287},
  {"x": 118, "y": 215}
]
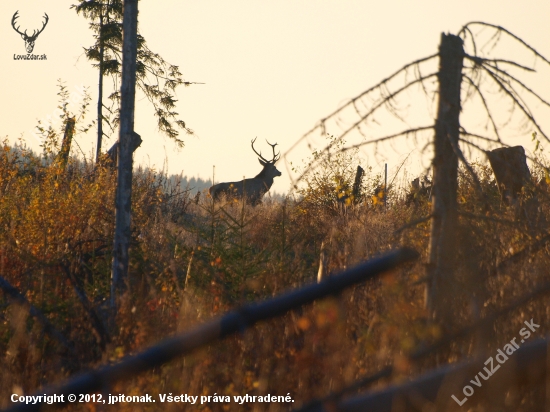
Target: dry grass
[{"x": 192, "y": 261}]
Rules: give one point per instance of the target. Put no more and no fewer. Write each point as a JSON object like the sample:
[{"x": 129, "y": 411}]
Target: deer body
[{"x": 253, "y": 189}]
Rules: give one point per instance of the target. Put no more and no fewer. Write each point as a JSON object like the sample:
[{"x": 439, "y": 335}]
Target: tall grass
[{"x": 191, "y": 259}]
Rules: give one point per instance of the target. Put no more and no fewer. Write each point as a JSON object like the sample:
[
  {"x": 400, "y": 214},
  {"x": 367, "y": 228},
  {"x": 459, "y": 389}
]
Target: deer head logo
[
  {"x": 251, "y": 189},
  {"x": 29, "y": 40}
]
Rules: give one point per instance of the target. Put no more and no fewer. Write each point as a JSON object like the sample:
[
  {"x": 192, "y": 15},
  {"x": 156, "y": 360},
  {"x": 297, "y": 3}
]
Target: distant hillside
[{"x": 193, "y": 184}]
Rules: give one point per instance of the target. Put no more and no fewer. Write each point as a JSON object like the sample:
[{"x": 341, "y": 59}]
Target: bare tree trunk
[
  {"x": 100, "y": 92},
  {"x": 63, "y": 155},
  {"x": 119, "y": 270},
  {"x": 445, "y": 169}
]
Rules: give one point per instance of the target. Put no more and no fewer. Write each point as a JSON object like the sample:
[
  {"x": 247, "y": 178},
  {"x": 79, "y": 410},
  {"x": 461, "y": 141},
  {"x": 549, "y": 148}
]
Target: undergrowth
[{"x": 191, "y": 260}]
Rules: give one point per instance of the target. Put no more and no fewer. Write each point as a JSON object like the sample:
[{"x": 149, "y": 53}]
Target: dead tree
[
  {"x": 461, "y": 64},
  {"x": 121, "y": 244},
  {"x": 445, "y": 170}
]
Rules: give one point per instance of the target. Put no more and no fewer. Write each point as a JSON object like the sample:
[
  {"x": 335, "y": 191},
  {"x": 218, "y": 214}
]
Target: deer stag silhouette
[
  {"x": 252, "y": 190},
  {"x": 29, "y": 40}
]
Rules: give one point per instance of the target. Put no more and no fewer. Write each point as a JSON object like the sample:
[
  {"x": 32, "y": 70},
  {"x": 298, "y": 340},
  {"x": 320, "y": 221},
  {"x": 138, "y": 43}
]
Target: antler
[
  {"x": 43, "y": 26},
  {"x": 35, "y": 33},
  {"x": 258, "y": 154},
  {"x": 275, "y": 156},
  {"x": 15, "y": 16}
]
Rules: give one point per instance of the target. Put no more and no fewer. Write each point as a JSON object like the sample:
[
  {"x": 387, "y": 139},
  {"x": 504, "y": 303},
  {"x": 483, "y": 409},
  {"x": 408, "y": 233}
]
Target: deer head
[
  {"x": 269, "y": 171},
  {"x": 29, "y": 40}
]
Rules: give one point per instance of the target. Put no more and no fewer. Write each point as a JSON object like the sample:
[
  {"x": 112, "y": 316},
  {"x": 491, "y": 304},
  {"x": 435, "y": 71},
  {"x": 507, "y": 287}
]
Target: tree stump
[
  {"x": 512, "y": 175},
  {"x": 511, "y": 172}
]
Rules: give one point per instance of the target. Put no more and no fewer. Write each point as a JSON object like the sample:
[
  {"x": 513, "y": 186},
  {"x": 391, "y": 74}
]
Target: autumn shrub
[
  {"x": 192, "y": 259},
  {"x": 328, "y": 176}
]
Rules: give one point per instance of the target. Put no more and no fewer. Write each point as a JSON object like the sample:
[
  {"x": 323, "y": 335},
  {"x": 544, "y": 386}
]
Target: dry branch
[
  {"x": 485, "y": 105},
  {"x": 18, "y": 297},
  {"x": 233, "y": 322},
  {"x": 97, "y": 325},
  {"x": 515, "y": 99},
  {"x": 362, "y": 94},
  {"x": 374, "y": 141},
  {"x": 502, "y": 29}
]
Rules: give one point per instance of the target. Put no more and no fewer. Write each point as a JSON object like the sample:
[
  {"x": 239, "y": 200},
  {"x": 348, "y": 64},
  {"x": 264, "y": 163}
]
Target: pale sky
[{"x": 271, "y": 69}]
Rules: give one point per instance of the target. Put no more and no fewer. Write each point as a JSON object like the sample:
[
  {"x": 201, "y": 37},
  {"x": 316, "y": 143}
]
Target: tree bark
[
  {"x": 111, "y": 157},
  {"x": 63, "y": 155},
  {"x": 511, "y": 172},
  {"x": 119, "y": 270},
  {"x": 356, "y": 192},
  {"x": 445, "y": 169},
  {"x": 100, "y": 91}
]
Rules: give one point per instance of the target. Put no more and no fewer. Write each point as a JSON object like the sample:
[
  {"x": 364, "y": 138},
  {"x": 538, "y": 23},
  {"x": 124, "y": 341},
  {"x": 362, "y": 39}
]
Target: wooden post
[
  {"x": 63, "y": 155},
  {"x": 445, "y": 169},
  {"x": 385, "y": 185},
  {"x": 356, "y": 192},
  {"x": 119, "y": 270}
]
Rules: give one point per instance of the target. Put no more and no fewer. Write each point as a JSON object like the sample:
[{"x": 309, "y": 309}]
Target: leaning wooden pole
[
  {"x": 119, "y": 270},
  {"x": 236, "y": 321},
  {"x": 445, "y": 169}
]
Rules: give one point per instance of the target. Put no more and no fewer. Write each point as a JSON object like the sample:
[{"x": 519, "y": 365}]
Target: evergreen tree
[{"x": 156, "y": 78}]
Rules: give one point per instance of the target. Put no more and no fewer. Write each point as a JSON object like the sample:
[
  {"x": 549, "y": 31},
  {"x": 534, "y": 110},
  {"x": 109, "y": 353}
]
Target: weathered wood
[
  {"x": 63, "y": 155},
  {"x": 347, "y": 199},
  {"x": 511, "y": 172},
  {"x": 323, "y": 263},
  {"x": 121, "y": 244},
  {"x": 356, "y": 192},
  {"x": 102, "y": 379},
  {"x": 445, "y": 170},
  {"x": 110, "y": 158},
  {"x": 100, "y": 87}
]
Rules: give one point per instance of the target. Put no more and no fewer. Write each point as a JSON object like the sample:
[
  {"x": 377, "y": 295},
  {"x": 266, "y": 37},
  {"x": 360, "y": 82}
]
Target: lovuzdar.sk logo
[{"x": 29, "y": 39}]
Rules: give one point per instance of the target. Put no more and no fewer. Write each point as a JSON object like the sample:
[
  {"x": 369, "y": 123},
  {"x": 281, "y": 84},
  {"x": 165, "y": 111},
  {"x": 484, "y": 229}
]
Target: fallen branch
[
  {"x": 236, "y": 321},
  {"x": 18, "y": 297}
]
